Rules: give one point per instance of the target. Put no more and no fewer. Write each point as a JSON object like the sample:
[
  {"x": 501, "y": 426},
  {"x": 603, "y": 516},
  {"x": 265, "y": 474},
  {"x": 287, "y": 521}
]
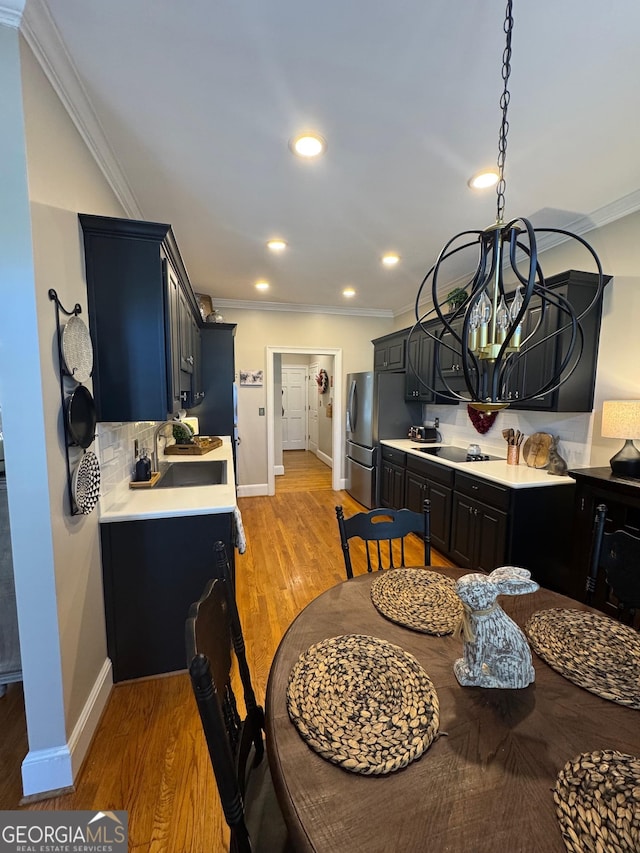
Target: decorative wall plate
[
  {"x": 81, "y": 417},
  {"x": 85, "y": 485},
  {"x": 77, "y": 349}
]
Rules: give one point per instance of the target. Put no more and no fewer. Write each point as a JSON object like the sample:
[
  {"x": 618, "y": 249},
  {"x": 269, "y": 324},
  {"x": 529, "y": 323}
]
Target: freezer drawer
[
  {"x": 361, "y": 482},
  {"x": 363, "y": 455}
]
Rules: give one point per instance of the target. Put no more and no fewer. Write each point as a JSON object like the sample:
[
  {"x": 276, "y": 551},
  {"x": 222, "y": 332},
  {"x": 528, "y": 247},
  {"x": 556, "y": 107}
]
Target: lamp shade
[{"x": 621, "y": 419}]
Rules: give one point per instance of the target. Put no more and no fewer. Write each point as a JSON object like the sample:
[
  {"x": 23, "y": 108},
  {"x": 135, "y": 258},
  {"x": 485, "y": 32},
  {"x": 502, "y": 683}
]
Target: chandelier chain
[{"x": 504, "y": 105}]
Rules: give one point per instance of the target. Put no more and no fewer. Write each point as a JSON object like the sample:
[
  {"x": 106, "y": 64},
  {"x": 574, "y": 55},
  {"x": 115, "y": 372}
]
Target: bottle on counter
[{"x": 143, "y": 467}]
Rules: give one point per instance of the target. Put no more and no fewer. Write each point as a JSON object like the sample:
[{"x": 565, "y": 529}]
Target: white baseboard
[
  {"x": 55, "y": 768},
  {"x": 85, "y": 728},
  {"x": 324, "y": 458},
  {"x": 343, "y": 483},
  {"x": 253, "y": 490},
  {"x": 278, "y": 470},
  {"x": 46, "y": 770}
]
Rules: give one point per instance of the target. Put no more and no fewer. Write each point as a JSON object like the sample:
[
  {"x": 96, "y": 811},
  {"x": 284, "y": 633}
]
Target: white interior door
[
  {"x": 294, "y": 404},
  {"x": 313, "y": 407}
]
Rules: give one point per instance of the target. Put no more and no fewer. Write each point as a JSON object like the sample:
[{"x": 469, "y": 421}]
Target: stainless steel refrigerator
[{"x": 376, "y": 409}]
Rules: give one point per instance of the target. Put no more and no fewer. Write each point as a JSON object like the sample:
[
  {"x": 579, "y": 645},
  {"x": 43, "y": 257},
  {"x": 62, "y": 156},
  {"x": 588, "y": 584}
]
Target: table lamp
[{"x": 621, "y": 419}]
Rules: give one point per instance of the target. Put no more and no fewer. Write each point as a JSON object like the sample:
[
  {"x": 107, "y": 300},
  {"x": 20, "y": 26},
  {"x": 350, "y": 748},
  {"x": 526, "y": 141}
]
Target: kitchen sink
[{"x": 183, "y": 474}]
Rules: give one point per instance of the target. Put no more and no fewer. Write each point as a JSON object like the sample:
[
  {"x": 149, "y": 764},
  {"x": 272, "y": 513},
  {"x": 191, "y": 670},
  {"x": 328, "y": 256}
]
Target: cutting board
[{"x": 536, "y": 450}]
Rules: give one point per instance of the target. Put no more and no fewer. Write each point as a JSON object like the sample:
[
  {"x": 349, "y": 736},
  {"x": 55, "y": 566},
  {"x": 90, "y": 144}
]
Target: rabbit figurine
[
  {"x": 496, "y": 652},
  {"x": 557, "y": 465}
]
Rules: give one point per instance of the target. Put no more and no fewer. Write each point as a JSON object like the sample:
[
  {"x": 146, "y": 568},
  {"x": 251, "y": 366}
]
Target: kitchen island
[{"x": 157, "y": 555}]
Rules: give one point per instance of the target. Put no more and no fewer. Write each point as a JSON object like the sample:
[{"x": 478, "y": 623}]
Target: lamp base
[{"x": 626, "y": 463}]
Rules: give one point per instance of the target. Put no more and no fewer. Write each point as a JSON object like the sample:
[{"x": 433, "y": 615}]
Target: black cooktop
[{"x": 456, "y": 454}]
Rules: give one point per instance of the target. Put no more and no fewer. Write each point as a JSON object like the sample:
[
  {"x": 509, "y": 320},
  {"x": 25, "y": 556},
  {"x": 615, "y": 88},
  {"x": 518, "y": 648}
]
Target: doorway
[
  {"x": 273, "y": 352},
  {"x": 294, "y": 407}
]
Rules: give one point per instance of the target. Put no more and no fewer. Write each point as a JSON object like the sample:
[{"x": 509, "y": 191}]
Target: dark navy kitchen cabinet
[
  {"x": 153, "y": 570},
  {"x": 143, "y": 319}
]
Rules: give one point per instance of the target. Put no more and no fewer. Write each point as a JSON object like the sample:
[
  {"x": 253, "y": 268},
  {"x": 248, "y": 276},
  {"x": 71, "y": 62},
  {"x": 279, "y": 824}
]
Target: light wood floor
[{"x": 148, "y": 755}]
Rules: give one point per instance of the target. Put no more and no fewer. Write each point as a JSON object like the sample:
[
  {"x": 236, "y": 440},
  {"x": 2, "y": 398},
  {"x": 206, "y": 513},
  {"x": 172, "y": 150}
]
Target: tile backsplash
[
  {"x": 574, "y": 428},
  {"x": 116, "y": 454}
]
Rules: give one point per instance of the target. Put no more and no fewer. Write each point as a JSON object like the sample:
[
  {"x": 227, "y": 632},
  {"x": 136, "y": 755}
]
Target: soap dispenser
[{"x": 143, "y": 467}]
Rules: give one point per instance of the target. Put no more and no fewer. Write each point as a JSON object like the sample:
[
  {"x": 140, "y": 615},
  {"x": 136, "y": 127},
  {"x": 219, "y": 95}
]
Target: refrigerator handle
[{"x": 352, "y": 412}]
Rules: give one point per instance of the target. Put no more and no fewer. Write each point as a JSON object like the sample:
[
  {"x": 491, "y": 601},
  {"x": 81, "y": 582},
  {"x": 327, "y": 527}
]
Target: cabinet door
[
  {"x": 389, "y": 352},
  {"x": 412, "y": 386},
  {"x": 536, "y": 367},
  {"x": 490, "y": 537},
  {"x": 462, "y": 531},
  {"x": 447, "y": 355},
  {"x": 386, "y": 484},
  {"x": 391, "y": 486},
  {"x": 398, "y": 488},
  {"x": 415, "y": 491},
  {"x": 172, "y": 329},
  {"x": 440, "y": 497},
  {"x": 420, "y": 357}
]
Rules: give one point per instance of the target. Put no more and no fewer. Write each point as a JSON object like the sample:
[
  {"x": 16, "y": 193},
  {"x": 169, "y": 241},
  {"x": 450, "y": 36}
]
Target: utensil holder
[{"x": 513, "y": 454}]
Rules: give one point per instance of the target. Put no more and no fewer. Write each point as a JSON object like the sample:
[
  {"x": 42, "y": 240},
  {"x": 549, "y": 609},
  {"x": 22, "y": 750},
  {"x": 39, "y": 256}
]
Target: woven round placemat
[
  {"x": 591, "y": 650},
  {"x": 418, "y": 599},
  {"x": 597, "y": 797},
  {"x": 363, "y": 703}
]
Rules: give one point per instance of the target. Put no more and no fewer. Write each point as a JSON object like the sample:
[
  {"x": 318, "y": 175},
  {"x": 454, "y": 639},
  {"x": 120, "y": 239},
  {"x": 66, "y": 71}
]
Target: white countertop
[
  {"x": 142, "y": 503},
  {"x": 514, "y": 476}
]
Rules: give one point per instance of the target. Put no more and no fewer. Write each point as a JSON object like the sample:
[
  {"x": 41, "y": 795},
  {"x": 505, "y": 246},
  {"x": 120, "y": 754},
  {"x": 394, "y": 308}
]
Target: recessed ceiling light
[
  {"x": 308, "y": 144},
  {"x": 483, "y": 180},
  {"x": 262, "y": 285},
  {"x": 276, "y": 245},
  {"x": 348, "y": 292},
  {"x": 390, "y": 259}
]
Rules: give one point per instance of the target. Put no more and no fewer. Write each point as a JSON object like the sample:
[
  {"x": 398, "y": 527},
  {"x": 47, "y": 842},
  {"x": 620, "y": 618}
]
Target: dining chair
[
  {"x": 618, "y": 555},
  {"x": 236, "y": 745},
  {"x": 383, "y": 525}
]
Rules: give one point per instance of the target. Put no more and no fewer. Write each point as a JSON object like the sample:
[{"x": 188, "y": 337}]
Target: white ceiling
[{"x": 194, "y": 103}]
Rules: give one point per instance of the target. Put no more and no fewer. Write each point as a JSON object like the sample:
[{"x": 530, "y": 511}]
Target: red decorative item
[{"x": 481, "y": 422}]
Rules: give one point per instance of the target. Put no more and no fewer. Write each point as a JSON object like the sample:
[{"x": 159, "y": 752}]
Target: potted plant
[{"x": 456, "y": 297}]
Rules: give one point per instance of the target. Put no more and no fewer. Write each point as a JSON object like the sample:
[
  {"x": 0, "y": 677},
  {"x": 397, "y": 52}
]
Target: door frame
[{"x": 337, "y": 451}]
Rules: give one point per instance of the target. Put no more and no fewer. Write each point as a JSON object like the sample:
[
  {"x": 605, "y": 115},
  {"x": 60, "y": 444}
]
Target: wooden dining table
[{"x": 484, "y": 786}]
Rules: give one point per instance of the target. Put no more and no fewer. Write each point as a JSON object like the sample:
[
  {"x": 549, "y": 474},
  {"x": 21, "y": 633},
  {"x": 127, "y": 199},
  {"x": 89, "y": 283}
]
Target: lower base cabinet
[
  {"x": 492, "y": 525},
  {"x": 153, "y": 569},
  {"x": 392, "y": 476},
  {"x": 621, "y": 496},
  {"x": 426, "y": 481},
  {"x": 480, "y": 525}
]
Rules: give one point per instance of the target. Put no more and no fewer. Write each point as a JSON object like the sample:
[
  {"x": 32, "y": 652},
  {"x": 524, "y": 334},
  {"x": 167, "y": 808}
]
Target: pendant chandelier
[{"x": 491, "y": 332}]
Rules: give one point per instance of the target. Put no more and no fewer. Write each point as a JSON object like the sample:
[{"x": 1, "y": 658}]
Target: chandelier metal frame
[{"x": 490, "y": 343}]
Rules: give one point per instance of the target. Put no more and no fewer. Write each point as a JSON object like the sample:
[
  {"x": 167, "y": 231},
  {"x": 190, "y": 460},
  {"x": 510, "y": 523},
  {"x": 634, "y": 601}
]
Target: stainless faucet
[{"x": 156, "y": 436}]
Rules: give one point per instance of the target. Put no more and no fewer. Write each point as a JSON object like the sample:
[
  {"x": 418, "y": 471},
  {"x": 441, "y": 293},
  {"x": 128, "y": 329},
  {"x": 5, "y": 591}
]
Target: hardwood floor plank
[{"x": 149, "y": 756}]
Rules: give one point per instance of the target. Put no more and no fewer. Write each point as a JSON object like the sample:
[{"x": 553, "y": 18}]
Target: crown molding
[
  {"x": 44, "y": 39},
  {"x": 11, "y": 13},
  {"x": 581, "y": 225},
  {"x": 251, "y": 305}
]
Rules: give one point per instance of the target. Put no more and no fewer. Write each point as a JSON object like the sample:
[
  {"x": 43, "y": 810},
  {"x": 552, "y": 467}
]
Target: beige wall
[
  {"x": 62, "y": 554},
  {"x": 259, "y": 329}
]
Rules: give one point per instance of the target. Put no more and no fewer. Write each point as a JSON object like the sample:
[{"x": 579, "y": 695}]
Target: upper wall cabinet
[
  {"x": 143, "y": 320},
  {"x": 576, "y": 394},
  {"x": 389, "y": 351}
]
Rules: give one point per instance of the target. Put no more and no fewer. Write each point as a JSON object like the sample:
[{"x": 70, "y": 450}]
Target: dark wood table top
[{"x": 486, "y": 786}]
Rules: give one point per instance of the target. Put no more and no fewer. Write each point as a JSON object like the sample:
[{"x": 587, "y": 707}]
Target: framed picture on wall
[{"x": 251, "y": 377}]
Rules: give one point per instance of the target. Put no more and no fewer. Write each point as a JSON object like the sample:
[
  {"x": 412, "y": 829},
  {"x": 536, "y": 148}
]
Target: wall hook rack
[{"x": 77, "y": 431}]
